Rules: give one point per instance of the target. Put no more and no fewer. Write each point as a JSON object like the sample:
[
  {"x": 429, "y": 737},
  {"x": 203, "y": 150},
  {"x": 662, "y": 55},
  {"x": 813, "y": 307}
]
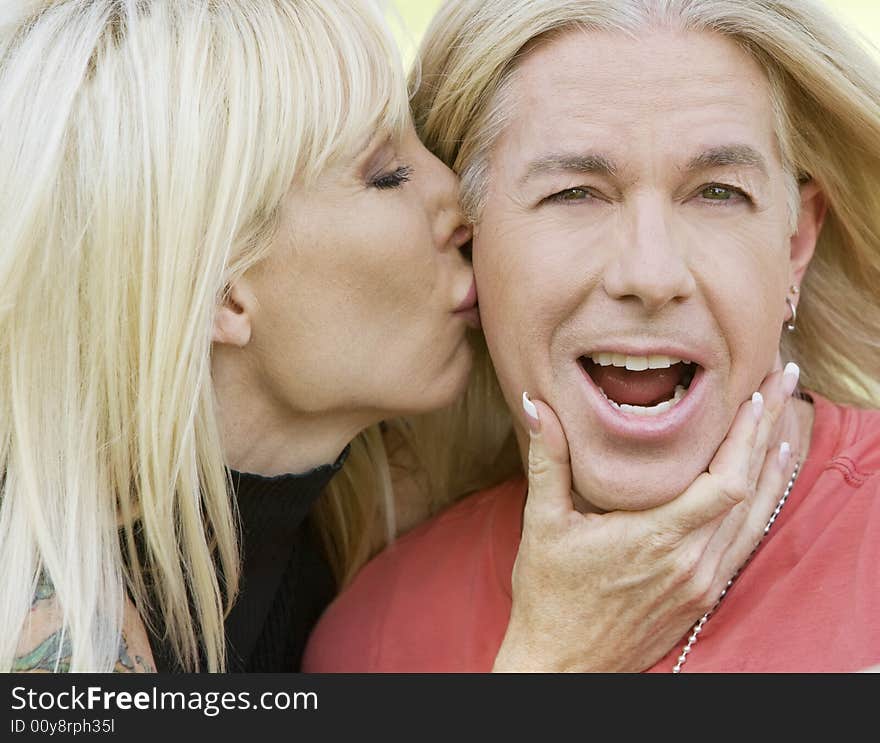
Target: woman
[
  {"x": 227, "y": 255},
  {"x": 170, "y": 297}
]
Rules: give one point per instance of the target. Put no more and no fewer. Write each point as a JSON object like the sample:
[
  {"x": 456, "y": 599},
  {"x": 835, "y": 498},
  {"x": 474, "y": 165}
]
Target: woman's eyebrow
[
  {"x": 373, "y": 153},
  {"x": 371, "y": 144}
]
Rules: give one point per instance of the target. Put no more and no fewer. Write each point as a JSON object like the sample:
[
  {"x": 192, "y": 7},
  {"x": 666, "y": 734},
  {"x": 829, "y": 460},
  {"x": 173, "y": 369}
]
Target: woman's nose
[{"x": 445, "y": 197}]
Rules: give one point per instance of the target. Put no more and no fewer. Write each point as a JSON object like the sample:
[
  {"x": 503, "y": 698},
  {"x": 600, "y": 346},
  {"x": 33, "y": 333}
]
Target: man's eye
[
  {"x": 570, "y": 195},
  {"x": 717, "y": 192}
]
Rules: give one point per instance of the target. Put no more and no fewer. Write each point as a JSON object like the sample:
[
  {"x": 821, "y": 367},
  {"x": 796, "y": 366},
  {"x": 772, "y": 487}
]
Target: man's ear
[
  {"x": 814, "y": 207},
  {"x": 233, "y": 318}
]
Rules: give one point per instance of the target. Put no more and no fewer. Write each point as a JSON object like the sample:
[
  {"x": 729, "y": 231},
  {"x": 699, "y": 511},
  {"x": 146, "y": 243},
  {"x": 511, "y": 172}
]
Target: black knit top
[{"x": 285, "y": 580}]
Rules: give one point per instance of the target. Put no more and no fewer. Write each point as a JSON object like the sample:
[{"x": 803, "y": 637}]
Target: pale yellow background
[{"x": 861, "y": 15}]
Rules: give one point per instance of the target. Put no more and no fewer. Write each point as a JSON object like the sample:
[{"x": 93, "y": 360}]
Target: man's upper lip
[
  {"x": 470, "y": 301},
  {"x": 674, "y": 350}
]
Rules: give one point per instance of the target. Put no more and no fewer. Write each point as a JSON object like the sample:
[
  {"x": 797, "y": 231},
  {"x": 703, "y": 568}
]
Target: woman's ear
[
  {"x": 233, "y": 318},
  {"x": 814, "y": 207}
]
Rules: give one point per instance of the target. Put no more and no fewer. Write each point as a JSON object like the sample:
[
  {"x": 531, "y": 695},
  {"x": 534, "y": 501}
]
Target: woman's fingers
[
  {"x": 739, "y": 533},
  {"x": 757, "y": 465},
  {"x": 716, "y": 492},
  {"x": 549, "y": 463},
  {"x": 740, "y": 459},
  {"x": 626, "y": 585},
  {"x": 777, "y": 389}
]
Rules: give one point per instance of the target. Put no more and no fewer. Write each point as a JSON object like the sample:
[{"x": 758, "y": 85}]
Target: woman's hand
[{"x": 617, "y": 591}]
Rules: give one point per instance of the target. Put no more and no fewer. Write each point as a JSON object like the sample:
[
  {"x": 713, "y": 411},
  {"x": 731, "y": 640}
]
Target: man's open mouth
[{"x": 641, "y": 385}]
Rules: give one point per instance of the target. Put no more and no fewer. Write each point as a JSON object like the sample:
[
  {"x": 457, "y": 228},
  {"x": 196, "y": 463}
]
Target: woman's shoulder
[
  {"x": 44, "y": 645},
  {"x": 135, "y": 654}
]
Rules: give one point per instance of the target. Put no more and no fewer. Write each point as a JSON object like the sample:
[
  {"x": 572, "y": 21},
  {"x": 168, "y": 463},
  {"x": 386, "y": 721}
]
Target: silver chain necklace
[{"x": 698, "y": 627}]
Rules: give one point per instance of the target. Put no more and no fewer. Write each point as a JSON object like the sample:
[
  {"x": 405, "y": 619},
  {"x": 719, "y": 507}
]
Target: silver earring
[{"x": 792, "y": 323}]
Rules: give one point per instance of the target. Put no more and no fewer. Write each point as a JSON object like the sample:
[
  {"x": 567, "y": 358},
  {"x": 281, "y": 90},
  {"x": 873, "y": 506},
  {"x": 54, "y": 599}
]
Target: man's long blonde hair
[
  {"x": 145, "y": 146},
  {"x": 827, "y": 91}
]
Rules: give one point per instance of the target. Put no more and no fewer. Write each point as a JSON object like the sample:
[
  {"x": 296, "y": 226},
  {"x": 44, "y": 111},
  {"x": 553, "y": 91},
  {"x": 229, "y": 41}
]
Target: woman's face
[{"x": 364, "y": 300}]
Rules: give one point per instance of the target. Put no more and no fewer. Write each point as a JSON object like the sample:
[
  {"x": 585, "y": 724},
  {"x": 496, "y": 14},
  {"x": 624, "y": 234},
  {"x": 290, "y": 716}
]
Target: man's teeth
[
  {"x": 657, "y": 409},
  {"x": 636, "y": 363}
]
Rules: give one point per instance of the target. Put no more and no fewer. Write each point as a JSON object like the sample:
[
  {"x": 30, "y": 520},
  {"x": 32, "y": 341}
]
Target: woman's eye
[
  {"x": 571, "y": 195},
  {"x": 717, "y": 192},
  {"x": 394, "y": 179}
]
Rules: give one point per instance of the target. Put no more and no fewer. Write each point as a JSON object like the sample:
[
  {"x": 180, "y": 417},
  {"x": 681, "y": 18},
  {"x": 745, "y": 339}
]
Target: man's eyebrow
[
  {"x": 742, "y": 155},
  {"x": 589, "y": 163}
]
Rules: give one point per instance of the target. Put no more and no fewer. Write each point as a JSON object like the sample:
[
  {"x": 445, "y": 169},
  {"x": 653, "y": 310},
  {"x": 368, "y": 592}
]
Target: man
[{"x": 647, "y": 181}]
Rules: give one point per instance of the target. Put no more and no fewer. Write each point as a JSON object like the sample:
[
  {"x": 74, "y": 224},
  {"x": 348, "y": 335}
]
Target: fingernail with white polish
[
  {"x": 531, "y": 412},
  {"x": 758, "y": 404},
  {"x": 790, "y": 376},
  {"x": 784, "y": 453}
]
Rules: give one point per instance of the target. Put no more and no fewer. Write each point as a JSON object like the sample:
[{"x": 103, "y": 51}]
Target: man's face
[{"x": 636, "y": 215}]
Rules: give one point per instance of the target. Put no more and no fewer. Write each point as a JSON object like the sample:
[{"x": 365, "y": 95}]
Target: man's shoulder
[
  {"x": 470, "y": 524},
  {"x": 856, "y": 451},
  {"x": 457, "y": 562},
  {"x": 475, "y": 526}
]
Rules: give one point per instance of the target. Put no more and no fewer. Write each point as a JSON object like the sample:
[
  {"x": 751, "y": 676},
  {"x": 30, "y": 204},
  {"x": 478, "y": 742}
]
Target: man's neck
[{"x": 799, "y": 430}]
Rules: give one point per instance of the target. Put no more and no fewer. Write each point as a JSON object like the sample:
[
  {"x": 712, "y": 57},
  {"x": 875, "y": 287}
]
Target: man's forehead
[
  {"x": 601, "y": 92},
  {"x": 642, "y": 58}
]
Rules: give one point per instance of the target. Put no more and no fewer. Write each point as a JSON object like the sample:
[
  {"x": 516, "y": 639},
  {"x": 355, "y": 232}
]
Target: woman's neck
[
  {"x": 268, "y": 447},
  {"x": 262, "y": 436}
]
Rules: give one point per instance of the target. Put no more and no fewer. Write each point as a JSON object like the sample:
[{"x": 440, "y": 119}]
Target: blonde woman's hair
[
  {"x": 145, "y": 146},
  {"x": 826, "y": 91}
]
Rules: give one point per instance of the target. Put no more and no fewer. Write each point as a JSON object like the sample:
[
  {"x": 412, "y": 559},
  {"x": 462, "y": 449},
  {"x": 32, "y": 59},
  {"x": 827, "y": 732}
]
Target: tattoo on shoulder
[
  {"x": 126, "y": 664},
  {"x": 45, "y": 590},
  {"x": 52, "y": 655}
]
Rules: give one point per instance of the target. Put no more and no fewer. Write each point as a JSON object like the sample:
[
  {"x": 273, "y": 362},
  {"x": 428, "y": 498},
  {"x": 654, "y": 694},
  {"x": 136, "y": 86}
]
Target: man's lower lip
[
  {"x": 632, "y": 425},
  {"x": 471, "y": 316}
]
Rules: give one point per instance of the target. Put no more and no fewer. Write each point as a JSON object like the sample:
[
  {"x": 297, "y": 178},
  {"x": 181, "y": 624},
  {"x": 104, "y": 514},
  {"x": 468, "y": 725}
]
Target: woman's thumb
[{"x": 549, "y": 461}]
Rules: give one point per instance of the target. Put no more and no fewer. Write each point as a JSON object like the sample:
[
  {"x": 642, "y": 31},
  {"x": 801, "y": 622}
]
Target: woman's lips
[
  {"x": 468, "y": 309},
  {"x": 471, "y": 317},
  {"x": 470, "y": 301}
]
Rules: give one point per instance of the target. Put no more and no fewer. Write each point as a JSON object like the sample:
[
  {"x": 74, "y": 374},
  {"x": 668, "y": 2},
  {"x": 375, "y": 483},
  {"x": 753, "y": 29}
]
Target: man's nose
[{"x": 648, "y": 264}]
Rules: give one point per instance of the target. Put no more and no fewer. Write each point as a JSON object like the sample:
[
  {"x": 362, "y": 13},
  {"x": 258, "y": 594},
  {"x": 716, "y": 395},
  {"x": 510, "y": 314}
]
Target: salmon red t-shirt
[{"x": 439, "y": 599}]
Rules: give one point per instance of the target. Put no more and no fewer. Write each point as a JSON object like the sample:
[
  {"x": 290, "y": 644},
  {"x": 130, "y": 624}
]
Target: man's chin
[{"x": 630, "y": 486}]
